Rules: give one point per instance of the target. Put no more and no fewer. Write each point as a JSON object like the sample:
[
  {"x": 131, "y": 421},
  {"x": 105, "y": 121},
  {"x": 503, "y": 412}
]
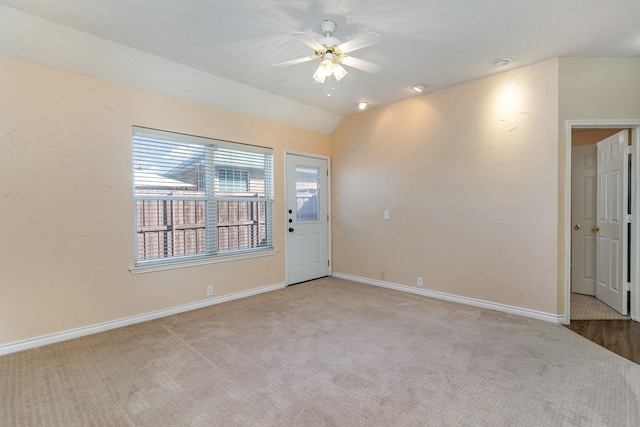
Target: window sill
[{"x": 170, "y": 265}]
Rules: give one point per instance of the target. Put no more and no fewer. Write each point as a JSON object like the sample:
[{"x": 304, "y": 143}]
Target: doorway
[
  {"x": 600, "y": 213},
  {"x": 575, "y": 227},
  {"x": 307, "y": 187}
]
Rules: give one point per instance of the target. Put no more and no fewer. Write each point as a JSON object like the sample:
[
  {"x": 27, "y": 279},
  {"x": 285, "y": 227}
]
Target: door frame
[
  {"x": 285, "y": 204},
  {"x": 634, "y": 242}
]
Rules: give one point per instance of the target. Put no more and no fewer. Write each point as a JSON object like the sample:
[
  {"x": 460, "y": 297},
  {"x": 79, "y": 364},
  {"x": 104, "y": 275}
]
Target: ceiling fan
[{"x": 333, "y": 53}]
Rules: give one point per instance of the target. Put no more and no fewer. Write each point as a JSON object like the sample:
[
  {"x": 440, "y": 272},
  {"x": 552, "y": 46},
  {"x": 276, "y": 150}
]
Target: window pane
[
  {"x": 168, "y": 167},
  {"x": 170, "y": 228},
  {"x": 241, "y": 173},
  {"x": 306, "y": 194},
  {"x": 241, "y": 225}
]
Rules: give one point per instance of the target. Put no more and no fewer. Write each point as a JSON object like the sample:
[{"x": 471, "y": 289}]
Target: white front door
[
  {"x": 307, "y": 216},
  {"x": 583, "y": 218},
  {"x": 611, "y": 246}
]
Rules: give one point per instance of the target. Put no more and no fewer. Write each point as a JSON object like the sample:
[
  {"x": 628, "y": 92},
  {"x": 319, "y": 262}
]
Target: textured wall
[
  {"x": 66, "y": 208},
  {"x": 470, "y": 177}
]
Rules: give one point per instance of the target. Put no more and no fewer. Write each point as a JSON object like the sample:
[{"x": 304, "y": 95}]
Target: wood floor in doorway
[
  {"x": 619, "y": 336},
  {"x": 601, "y": 324}
]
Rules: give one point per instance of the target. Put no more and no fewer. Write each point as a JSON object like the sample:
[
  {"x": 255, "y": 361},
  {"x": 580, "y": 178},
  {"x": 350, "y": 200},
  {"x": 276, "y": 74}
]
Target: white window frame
[{"x": 212, "y": 255}]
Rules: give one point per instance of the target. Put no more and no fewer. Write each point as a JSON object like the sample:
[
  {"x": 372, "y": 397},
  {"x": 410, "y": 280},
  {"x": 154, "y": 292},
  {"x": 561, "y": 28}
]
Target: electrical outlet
[
  {"x": 386, "y": 214},
  {"x": 419, "y": 282},
  {"x": 209, "y": 291},
  {"x": 382, "y": 275}
]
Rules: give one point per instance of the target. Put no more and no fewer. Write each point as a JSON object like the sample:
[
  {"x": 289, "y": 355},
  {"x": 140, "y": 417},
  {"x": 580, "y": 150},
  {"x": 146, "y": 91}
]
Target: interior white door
[
  {"x": 583, "y": 218},
  {"x": 307, "y": 216},
  {"x": 611, "y": 246}
]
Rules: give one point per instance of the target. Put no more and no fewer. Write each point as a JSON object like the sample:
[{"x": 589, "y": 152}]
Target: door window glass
[{"x": 306, "y": 194}]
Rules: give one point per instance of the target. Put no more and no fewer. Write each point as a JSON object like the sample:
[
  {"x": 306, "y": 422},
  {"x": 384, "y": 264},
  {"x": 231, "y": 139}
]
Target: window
[
  {"x": 233, "y": 180},
  {"x": 197, "y": 197}
]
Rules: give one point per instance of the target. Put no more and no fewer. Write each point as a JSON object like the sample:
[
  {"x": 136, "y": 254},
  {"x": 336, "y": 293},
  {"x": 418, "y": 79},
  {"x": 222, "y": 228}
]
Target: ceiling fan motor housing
[
  {"x": 327, "y": 28},
  {"x": 328, "y": 41}
]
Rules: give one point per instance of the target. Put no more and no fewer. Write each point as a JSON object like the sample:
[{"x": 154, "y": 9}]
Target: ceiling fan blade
[
  {"x": 359, "y": 42},
  {"x": 307, "y": 39},
  {"x": 294, "y": 61},
  {"x": 361, "y": 64}
]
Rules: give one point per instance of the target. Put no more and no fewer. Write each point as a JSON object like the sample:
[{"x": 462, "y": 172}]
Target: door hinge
[
  {"x": 327, "y": 263},
  {"x": 628, "y": 149},
  {"x": 327, "y": 172},
  {"x": 327, "y": 217},
  {"x": 628, "y": 218},
  {"x": 626, "y": 286}
]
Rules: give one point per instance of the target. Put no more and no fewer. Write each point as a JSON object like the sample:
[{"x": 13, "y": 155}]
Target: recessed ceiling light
[
  {"x": 501, "y": 62},
  {"x": 362, "y": 105},
  {"x": 419, "y": 87}
]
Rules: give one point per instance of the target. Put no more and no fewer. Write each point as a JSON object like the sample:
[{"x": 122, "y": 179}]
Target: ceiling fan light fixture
[
  {"x": 339, "y": 71},
  {"x": 325, "y": 69},
  {"x": 419, "y": 87},
  {"x": 319, "y": 75},
  {"x": 329, "y": 67},
  {"x": 501, "y": 62}
]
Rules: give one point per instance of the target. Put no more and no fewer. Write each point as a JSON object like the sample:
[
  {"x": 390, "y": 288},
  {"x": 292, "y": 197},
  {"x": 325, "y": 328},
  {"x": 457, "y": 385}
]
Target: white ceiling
[{"x": 439, "y": 42}]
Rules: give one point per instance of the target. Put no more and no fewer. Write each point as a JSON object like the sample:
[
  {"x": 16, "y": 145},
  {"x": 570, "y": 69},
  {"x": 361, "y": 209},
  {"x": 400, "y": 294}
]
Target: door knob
[
  {"x": 577, "y": 226},
  {"x": 595, "y": 228},
  {"x": 290, "y": 229}
]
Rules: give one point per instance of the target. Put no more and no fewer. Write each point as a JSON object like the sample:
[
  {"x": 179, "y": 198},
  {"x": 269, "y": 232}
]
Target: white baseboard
[
  {"x": 525, "y": 312},
  {"x": 118, "y": 323}
]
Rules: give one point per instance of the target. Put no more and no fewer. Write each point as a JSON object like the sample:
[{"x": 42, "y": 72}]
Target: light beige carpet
[
  {"x": 324, "y": 353},
  {"x": 585, "y": 307}
]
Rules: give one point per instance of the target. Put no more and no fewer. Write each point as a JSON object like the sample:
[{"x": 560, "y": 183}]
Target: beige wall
[
  {"x": 470, "y": 177},
  {"x": 590, "y": 89},
  {"x": 66, "y": 209}
]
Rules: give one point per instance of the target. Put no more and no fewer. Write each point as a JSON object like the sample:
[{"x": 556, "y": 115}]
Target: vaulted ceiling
[{"x": 438, "y": 42}]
